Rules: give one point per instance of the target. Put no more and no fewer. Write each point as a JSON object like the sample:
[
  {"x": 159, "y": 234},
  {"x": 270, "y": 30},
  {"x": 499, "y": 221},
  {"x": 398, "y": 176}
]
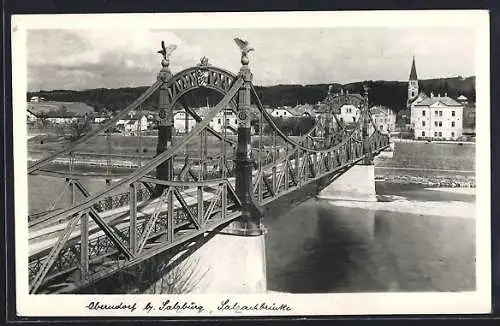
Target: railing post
[
  {"x": 249, "y": 223},
  {"x": 84, "y": 246},
  {"x": 133, "y": 218},
  {"x": 368, "y": 159},
  {"x": 164, "y": 171}
]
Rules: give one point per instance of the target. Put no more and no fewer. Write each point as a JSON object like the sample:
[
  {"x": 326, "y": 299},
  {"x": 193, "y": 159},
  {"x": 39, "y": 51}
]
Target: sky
[{"x": 82, "y": 59}]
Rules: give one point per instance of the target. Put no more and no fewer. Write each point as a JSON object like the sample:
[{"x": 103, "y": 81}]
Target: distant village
[{"x": 427, "y": 116}]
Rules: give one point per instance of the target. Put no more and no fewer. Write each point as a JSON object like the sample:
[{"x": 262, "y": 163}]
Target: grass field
[
  {"x": 131, "y": 145},
  {"x": 423, "y": 155}
]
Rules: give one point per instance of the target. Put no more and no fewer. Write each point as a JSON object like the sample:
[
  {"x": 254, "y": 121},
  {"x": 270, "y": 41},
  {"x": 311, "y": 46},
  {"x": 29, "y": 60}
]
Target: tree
[{"x": 79, "y": 128}]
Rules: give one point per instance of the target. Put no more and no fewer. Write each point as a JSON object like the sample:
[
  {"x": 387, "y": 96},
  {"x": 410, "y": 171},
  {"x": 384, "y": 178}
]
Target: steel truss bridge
[{"x": 174, "y": 202}]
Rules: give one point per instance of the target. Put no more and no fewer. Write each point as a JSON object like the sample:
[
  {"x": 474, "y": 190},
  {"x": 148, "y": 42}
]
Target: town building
[
  {"x": 36, "y": 99},
  {"x": 136, "y": 124},
  {"x": 60, "y": 112},
  {"x": 282, "y": 112},
  {"x": 181, "y": 120},
  {"x": 435, "y": 117},
  {"x": 438, "y": 117},
  {"x": 384, "y": 118},
  {"x": 230, "y": 124}
]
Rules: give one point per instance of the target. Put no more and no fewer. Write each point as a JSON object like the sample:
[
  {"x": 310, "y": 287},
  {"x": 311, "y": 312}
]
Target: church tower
[{"x": 412, "y": 83}]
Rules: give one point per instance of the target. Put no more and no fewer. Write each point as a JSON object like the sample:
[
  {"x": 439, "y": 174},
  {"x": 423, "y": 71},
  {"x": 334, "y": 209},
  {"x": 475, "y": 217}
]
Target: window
[
  {"x": 381, "y": 127},
  {"x": 453, "y": 123},
  {"x": 227, "y": 121},
  {"x": 435, "y": 123},
  {"x": 440, "y": 134},
  {"x": 218, "y": 121},
  {"x": 436, "y": 112},
  {"x": 452, "y": 113},
  {"x": 440, "y": 123},
  {"x": 235, "y": 121},
  {"x": 423, "y": 133},
  {"x": 354, "y": 119},
  {"x": 284, "y": 113},
  {"x": 440, "y": 113},
  {"x": 423, "y": 113},
  {"x": 435, "y": 133},
  {"x": 452, "y": 134},
  {"x": 423, "y": 123}
]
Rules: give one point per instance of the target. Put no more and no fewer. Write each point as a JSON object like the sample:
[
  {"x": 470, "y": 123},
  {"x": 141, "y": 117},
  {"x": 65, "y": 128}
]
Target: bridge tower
[
  {"x": 357, "y": 184},
  {"x": 233, "y": 260}
]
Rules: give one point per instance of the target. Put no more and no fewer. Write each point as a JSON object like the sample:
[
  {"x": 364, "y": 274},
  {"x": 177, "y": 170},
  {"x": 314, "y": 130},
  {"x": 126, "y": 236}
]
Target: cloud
[
  {"x": 103, "y": 57},
  {"x": 77, "y": 59}
]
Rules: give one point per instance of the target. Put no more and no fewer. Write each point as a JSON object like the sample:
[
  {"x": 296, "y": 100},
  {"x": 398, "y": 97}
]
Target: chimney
[{"x": 432, "y": 94}]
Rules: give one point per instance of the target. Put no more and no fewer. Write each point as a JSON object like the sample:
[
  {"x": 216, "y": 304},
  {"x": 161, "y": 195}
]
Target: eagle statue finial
[
  {"x": 166, "y": 52},
  {"x": 245, "y": 49}
]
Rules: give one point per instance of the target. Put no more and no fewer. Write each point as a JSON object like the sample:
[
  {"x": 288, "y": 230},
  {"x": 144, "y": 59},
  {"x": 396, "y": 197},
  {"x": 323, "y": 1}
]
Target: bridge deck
[{"x": 43, "y": 239}]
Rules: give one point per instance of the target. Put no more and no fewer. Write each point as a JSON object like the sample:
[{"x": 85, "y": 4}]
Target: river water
[{"x": 415, "y": 239}]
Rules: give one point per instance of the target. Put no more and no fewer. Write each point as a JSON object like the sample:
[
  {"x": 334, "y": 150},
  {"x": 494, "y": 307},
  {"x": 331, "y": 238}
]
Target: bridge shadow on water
[{"x": 321, "y": 248}]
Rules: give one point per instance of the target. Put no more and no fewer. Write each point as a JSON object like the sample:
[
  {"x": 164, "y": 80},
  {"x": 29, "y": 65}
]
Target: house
[
  {"x": 60, "y": 112},
  {"x": 349, "y": 114},
  {"x": 134, "y": 125},
  {"x": 225, "y": 119},
  {"x": 36, "y": 99},
  {"x": 181, "y": 120},
  {"x": 100, "y": 119},
  {"x": 282, "y": 112},
  {"x": 384, "y": 118},
  {"x": 434, "y": 117},
  {"x": 438, "y": 117},
  {"x": 302, "y": 110}
]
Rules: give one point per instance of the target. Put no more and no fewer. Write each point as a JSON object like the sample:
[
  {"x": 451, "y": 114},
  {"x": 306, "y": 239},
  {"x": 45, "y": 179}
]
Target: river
[{"x": 413, "y": 239}]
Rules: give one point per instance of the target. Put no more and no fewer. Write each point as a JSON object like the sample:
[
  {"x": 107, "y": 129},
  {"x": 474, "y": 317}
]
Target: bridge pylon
[
  {"x": 165, "y": 170},
  {"x": 250, "y": 222}
]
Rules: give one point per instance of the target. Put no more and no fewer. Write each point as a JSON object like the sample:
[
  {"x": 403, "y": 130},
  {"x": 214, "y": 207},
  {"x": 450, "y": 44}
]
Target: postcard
[{"x": 252, "y": 164}]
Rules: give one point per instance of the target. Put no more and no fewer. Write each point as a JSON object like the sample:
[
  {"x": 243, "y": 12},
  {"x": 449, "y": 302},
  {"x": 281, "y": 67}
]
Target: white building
[
  {"x": 100, "y": 119},
  {"x": 434, "y": 117},
  {"x": 438, "y": 118},
  {"x": 230, "y": 123},
  {"x": 132, "y": 126},
  {"x": 180, "y": 122},
  {"x": 349, "y": 114},
  {"x": 384, "y": 118},
  {"x": 281, "y": 112},
  {"x": 62, "y": 120}
]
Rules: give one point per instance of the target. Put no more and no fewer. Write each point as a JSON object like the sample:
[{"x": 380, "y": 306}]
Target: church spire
[{"x": 413, "y": 72}]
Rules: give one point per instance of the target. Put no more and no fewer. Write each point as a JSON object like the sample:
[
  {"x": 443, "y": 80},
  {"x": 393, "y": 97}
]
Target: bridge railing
[{"x": 134, "y": 251}]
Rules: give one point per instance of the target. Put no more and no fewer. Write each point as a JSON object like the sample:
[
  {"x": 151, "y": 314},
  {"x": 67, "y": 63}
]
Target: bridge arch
[{"x": 200, "y": 76}]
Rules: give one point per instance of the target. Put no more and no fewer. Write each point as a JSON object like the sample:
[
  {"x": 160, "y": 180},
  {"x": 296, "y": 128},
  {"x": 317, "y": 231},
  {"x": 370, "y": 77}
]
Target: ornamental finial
[
  {"x": 166, "y": 52},
  {"x": 245, "y": 49},
  {"x": 203, "y": 61}
]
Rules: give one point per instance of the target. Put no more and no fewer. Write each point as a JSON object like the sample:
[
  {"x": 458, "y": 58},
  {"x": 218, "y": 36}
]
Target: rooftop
[{"x": 448, "y": 101}]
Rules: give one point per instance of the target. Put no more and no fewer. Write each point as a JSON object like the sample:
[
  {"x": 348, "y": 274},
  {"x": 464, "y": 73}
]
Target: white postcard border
[{"x": 478, "y": 301}]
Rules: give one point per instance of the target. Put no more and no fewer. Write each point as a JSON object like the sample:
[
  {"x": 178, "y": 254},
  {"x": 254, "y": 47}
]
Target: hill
[{"x": 392, "y": 94}]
